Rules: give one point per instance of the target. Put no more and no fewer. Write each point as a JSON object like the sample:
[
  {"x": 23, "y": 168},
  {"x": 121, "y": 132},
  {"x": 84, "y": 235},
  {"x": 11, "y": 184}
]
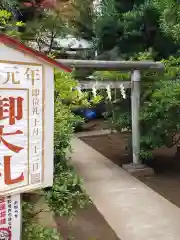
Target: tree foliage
[
  {"x": 8, "y": 5},
  {"x": 135, "y": 26},
  {"x": 50, "y": 27},
  {"x": 81, "y": 21},
  {"x": 38, "y": 3},
  {"x": 32, "y": 230},
  {"x": 8, "y": 24}
]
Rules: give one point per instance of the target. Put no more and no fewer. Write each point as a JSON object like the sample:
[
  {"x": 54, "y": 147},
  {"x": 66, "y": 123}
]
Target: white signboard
[
  {"x": 22, "y": 101},
  {"x": 10, "y": 217}
]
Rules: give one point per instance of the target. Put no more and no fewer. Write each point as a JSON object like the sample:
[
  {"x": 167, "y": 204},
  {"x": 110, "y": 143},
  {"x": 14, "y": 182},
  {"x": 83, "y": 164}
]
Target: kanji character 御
[{"x": 11, "y": 108}]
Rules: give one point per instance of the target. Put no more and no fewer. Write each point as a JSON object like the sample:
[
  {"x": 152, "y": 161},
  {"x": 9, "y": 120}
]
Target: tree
[
  {"x": 170, "y": 21},
  {"x": 82, "y": 19},
  {"x": 8, "y": 24},
  {"x": 134, "y": 26},
  {"x": 8, "y": 5},
  {"x": 38, "y": 3},
  {"x": 44, "y": 24},
  {"x": 49, "y": 28}
]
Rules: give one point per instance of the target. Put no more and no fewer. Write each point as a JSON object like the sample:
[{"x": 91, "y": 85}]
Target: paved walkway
[
  {"x": 93, "y": 133},
  {"x": 134, "y": 211}
]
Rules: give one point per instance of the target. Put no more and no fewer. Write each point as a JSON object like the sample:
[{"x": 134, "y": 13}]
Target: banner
[
  {"x": 22, "y": 103},
  {"x": 10, "y": 217}
]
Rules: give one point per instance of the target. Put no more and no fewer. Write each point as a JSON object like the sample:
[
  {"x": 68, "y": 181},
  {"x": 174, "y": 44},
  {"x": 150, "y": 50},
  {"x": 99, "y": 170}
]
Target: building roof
[
  {"x": 14, "y": 43},
  {"x": 72, "y": 42}
]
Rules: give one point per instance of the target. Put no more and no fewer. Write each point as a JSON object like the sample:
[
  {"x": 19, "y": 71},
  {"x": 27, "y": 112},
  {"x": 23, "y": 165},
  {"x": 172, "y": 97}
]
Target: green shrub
[
  {"x": 160, "y": 118},
  {"x": 67, "y": 193},
  {"x": 31, "y": 230}
]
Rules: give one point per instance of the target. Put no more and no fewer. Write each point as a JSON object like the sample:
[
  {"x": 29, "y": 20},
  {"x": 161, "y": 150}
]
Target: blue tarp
[{"x": 89, "y": 114}]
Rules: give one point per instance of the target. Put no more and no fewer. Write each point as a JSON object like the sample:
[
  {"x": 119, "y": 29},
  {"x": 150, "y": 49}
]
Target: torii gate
[{"x": 136, "y": 67}]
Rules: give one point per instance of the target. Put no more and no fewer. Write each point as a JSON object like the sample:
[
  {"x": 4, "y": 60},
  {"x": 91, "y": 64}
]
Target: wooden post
[{"x": 135, "y": 111}]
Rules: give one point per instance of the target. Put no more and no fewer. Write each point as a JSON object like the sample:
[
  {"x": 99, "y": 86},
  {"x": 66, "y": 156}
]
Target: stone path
[{"x": 133, "y": 210}]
